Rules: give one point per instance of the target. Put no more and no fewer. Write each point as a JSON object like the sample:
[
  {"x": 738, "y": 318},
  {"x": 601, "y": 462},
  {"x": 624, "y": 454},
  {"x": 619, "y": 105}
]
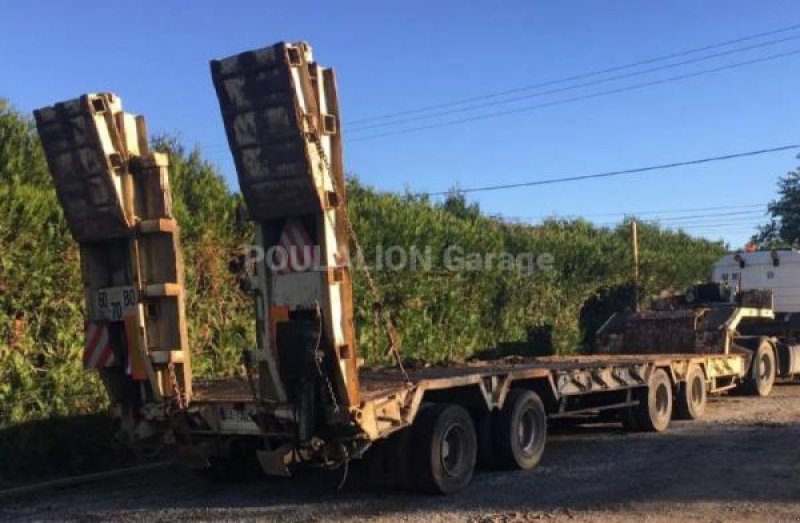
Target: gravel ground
[{"x": 742, "y": 462}]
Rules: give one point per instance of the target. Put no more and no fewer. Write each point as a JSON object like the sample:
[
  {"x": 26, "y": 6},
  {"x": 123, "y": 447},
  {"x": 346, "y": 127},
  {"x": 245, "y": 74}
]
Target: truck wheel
[
  {"x": 692, "y": 395},
  {"x": 762, "y": 371},
  {"x": 443, "y": 449},
  {"x": 654, "y": 410},
  {"x": 520, "y": 430}
]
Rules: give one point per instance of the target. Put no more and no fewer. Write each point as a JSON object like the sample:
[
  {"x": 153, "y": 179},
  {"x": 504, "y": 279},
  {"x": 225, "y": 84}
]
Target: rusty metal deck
[{"x": 377, "y": 383}]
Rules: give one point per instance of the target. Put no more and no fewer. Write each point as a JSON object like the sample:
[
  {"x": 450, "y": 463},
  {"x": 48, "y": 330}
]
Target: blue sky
[{"x": 392, "y": 56}]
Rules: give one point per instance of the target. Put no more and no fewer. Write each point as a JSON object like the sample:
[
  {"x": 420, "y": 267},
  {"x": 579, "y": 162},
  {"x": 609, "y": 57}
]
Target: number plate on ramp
[{"x": 114, "y": 303}]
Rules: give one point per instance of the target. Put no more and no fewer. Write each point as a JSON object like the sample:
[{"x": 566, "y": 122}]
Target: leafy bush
[
  {"x": 441, "y": 314},
  {"x": 448, "y": 315}
]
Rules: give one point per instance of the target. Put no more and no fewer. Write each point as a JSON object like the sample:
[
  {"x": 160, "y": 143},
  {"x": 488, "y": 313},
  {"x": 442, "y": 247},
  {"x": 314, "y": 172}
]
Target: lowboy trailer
[
  {"x": 443, "y": 421},
  {"x": 307, "y": 399}
]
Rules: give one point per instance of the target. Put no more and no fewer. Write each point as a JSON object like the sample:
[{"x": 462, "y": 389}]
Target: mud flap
[{"x": 276, "y": 462}]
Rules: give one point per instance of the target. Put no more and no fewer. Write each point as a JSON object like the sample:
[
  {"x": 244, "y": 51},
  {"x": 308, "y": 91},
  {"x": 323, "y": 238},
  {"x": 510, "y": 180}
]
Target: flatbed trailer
[
  {"x": 306, "y": 398},
  {"x": 569, "y": 385},
  {"x": 643, "y": 392}
]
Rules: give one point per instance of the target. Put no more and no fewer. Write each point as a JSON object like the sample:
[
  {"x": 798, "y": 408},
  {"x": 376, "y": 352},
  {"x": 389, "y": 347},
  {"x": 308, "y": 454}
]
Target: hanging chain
[
  {"x": 391, "y": 332},
  {"x": 176, "y": 389},
  {"x": 319, "y": 357},
  {"x": 247, "y": 362}
]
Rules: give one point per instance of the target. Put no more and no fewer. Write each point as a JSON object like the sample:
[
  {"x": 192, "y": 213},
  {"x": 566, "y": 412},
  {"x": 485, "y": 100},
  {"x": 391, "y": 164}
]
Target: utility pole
[{"x": 635, "y": 248}]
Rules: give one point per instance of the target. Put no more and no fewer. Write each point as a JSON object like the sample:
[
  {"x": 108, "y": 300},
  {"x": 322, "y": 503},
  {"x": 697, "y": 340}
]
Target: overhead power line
[
  {"x": 716, "y": 226},
  {"x": 609, "y": 174},
  {"x": 703, "y": 216},
  {"x": 738, "y": 223},
  {"x": 697, "y": 218},
  {"x": 474, "y": 107},
  {"x": 573, "y": 99},
  {"x": 642, "y": 213},
  {"x": 679, "y": 221},
  {"x": 580, "y": 76},
  {"x": 712, "y": 221}
]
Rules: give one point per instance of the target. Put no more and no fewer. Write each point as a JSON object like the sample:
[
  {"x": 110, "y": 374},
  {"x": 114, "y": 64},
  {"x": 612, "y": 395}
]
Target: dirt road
[{"x": 741, "y": 463}]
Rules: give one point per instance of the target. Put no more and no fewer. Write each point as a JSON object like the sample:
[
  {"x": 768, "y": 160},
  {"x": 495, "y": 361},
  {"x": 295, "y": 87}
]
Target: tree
[
  {"x": 457, "y": 205},
  {"x": 784, "y": 225}
]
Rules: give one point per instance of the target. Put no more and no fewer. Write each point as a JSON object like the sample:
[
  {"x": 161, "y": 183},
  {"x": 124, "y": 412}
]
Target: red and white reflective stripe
[
  {"x": 297, "y": 247},
  {"x": 97, "y": 353}
]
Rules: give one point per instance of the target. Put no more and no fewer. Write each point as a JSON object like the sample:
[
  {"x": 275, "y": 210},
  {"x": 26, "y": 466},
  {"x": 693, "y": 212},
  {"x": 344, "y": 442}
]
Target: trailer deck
[
  {"x": 567, "y": 384},
  {"x": 380, "y": 383}
]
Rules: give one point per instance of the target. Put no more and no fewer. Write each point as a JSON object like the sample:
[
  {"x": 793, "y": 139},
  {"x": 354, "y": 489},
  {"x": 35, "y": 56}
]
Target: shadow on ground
[{"x": 584, "y": 467}]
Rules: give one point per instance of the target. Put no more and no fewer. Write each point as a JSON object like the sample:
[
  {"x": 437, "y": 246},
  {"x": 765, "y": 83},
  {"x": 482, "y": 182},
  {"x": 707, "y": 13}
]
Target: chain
[
  {"x": 319, "y": 357},
  {"x": 247, "y": 362},
  {"x": 176, "y": 389},
  {"x": 391, "y": 331}
]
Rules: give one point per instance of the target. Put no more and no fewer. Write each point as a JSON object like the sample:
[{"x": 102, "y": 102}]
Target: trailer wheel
[
  {"x": 520, "y": 430},
  {"x": 654, "y": 411},
  {"x": 762, "y": 371},
  {"x": 692, "y": 395},
  {"x": 443, "y": 449}
]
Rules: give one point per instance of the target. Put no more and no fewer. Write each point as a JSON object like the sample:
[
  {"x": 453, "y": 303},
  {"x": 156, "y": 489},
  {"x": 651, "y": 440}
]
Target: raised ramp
[
  {"x": 281, "y": 119},
  {"x": 117, "y": 201}
]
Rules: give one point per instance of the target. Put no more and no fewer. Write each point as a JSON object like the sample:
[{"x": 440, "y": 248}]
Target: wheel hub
[
  {"x": 452, "y": 449},
  {"x": 526, "y": 432}
]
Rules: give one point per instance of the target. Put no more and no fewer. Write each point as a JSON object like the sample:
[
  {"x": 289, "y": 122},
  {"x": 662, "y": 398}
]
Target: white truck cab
[{"x": 778, "y": 271}]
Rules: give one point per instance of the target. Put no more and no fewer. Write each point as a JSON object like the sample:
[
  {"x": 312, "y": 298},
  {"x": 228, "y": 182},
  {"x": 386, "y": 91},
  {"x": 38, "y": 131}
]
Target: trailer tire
[
  {"x": 654, "y": 411},
  {"x": 762, "y": 371},
  {"x": 520, "y": 430},
  {"x": 690, "y": 403},
  {"x": 443, "y": 449}
]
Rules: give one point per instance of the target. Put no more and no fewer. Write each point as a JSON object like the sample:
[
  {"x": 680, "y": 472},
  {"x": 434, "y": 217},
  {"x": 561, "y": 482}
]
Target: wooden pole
[{"x": 635, "y": 248}]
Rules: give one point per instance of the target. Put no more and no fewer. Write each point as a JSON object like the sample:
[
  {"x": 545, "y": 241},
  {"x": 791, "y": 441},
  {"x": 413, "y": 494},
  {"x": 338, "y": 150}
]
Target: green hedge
[{"x": 441, "y": 314}]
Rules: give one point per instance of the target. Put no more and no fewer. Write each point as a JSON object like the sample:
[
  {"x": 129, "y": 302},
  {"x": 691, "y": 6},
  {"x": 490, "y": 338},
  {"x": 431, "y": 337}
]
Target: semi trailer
[
  {"x": 776, "y": 272},
  {"x": 306, "y": 398}
]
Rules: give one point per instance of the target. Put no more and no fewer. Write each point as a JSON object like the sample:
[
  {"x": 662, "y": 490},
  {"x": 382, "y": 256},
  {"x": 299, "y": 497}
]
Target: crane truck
[
  {"x": 306, "y": 398},
  {"x": 770, "y": 271}
]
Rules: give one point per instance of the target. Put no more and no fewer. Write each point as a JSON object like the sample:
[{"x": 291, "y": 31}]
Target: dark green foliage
[
  {"x": 441, "y": 314},
  {"x": 451, "y": 315},
  {"x": 40, "y": 288},
  {"x": 599, "y": 307},
  {"x": 784, "y": 225},
  {"x": 220, "y": 319}
]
